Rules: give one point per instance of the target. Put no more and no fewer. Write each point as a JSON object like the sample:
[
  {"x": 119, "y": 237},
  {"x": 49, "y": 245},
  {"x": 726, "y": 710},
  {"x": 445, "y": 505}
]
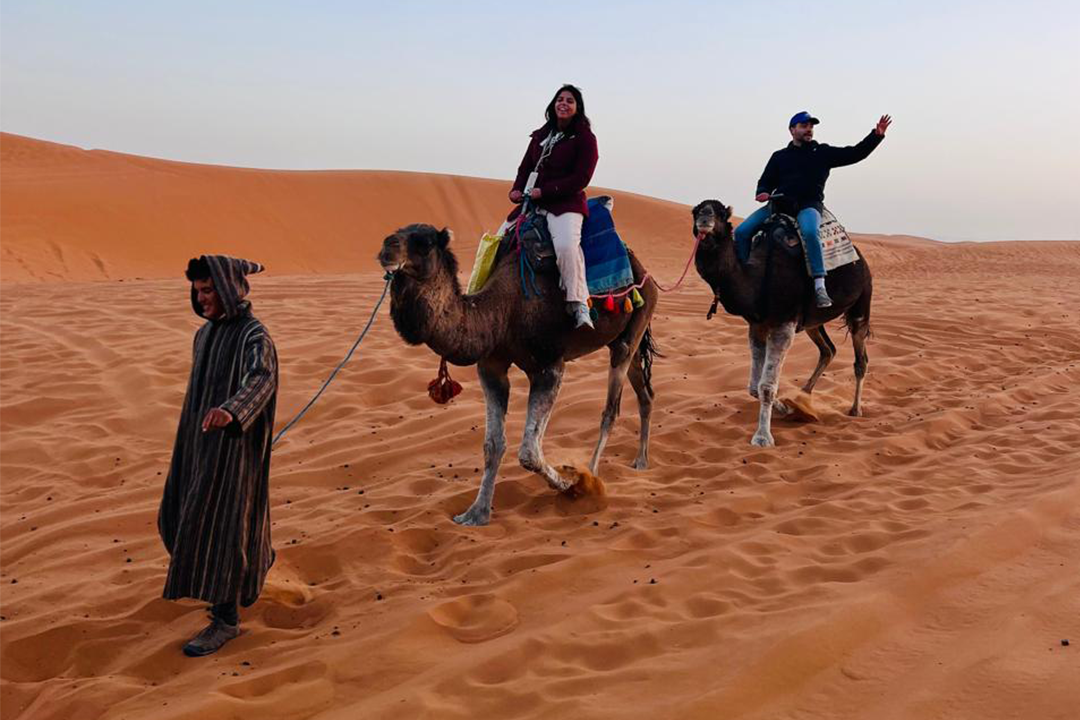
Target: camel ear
[
  {"x": 727, "y": 211},
  {"x": 445, "y": 236}
]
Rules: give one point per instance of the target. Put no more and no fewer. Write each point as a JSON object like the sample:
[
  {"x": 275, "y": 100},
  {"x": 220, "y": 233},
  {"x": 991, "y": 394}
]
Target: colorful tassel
[
  {"x": 589, "y": 303},
  {"x": 594, "y": 315},
  {"x": 628, "y": 306},
  {"x": 609, "y": 303},
  {"x": 635, "y": 296}
]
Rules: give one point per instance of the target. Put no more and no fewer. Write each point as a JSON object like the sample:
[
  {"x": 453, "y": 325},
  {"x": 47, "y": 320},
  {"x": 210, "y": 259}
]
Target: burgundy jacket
[{"x": 565, "y": 174}]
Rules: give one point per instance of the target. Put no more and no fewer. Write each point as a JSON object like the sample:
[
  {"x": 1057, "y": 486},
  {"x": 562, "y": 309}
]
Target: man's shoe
[
  {"x": 822, "y": 297},
  {"x": 212, "y": 637},
  {"x": 582, "y": 318}
]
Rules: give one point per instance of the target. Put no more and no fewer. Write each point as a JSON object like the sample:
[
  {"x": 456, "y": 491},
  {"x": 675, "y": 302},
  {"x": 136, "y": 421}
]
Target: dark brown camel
[
  {"x": 499, "y": 327},
  {"x": 774, "y": 294}
]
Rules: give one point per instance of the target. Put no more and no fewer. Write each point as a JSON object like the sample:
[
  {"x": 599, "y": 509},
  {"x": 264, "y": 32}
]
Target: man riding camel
[{"x": 798, "y": 172}]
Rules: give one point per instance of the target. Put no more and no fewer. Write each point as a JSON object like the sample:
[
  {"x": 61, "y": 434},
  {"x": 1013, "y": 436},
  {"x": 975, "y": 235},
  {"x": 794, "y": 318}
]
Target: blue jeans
[{"x": 809, "y": 220}]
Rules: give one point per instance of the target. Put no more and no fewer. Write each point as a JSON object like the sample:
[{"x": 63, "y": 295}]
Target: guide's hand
[
  {"x": 883, "y": 125},
  {"x": 761, "y": 197},
  {"x": 216, "y": 419},
  {"x": 515, "y": 196}
]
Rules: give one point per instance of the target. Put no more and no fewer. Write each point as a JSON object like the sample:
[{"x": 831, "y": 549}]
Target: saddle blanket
[
  {"x": 607, "y": 264},
  {"x": 836, "y": 246}
]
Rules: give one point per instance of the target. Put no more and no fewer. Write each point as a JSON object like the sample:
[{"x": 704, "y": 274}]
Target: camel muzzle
[{"x": 390, "y": 255}]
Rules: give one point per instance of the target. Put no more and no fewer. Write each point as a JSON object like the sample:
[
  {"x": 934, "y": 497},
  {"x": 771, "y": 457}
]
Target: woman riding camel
[{"x": 552, "y": 177}]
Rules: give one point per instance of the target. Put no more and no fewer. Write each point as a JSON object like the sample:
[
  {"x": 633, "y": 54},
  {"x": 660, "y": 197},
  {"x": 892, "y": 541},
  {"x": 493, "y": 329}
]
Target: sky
[{"x": 687, "y": 99}]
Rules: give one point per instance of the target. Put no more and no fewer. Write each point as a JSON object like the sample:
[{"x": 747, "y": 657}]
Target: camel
[
  {"x": 499, "y": 327},
  {"x": 774, "y": 294}
]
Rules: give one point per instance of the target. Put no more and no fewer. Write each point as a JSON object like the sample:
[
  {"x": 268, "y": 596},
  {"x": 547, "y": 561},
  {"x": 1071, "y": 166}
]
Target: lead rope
[{"x": 388, "y": 277}]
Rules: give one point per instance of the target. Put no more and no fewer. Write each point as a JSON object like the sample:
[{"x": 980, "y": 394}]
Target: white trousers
[{"x": 565, "y": 232}]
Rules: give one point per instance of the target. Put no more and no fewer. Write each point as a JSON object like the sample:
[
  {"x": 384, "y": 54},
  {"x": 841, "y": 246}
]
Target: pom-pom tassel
[
  {"x": 609, "y": 303},
  {"x": 443, "y": 389}
]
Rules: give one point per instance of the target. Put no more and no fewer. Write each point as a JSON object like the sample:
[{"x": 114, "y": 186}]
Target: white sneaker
[{"x": 582, "y": 317}]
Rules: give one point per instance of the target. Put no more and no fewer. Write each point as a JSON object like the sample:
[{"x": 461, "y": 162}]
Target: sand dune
[
  {"x": 72, "y": 214},
  {"x": 919, "y": 562}
]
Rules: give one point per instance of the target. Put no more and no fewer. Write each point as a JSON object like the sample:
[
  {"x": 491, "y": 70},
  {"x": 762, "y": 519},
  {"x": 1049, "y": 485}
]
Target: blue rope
[
  {"x": 532, "y": 278},
  {"x": 389, "y": 276},
  {"x": 521, "y": 267}
]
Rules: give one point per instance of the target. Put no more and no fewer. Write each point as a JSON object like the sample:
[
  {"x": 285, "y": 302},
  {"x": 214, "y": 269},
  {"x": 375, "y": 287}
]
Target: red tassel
[
  {"x": 609, "y": 303},
  {"x": 443, "y": 389}
]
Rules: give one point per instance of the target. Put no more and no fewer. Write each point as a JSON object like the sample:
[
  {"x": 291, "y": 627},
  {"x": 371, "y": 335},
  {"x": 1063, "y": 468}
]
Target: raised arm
[{"x": 841, "y": 156}]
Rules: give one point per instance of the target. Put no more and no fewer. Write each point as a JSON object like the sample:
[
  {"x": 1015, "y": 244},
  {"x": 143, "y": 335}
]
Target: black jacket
[{"x": 800, "y": 172}]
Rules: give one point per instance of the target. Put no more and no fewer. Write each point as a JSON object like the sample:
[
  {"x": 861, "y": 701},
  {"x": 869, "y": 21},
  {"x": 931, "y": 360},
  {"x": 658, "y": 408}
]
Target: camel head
[
  {"x": 417, "y": 251},
  {"x": 712, "y": 218}
]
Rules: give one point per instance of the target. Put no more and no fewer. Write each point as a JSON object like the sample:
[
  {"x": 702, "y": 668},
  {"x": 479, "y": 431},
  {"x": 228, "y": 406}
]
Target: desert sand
[{"x": 918, "y": 562}]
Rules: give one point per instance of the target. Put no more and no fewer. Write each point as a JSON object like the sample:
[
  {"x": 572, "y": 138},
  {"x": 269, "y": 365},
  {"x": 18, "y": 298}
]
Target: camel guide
[
  {"x": 798, "y": 172},
  {"x": 215, "y": 510}
]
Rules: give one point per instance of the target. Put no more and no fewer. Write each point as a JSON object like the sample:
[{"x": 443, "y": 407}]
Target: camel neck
[
  {"x": 732, "y": 285},
  {"x": 460, "y": 328}
]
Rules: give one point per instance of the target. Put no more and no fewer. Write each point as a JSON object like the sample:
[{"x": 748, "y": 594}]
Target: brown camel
[
  {"x": 774, "y": 294},
  {"x": 499, "y": 327}
]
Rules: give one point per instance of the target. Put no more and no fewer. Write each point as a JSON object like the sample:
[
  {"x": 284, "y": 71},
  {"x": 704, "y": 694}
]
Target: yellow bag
[{"x": 485, "y": 260}]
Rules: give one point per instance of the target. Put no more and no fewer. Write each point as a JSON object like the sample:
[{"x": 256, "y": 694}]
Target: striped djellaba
[{"x": 215, "y": 511}]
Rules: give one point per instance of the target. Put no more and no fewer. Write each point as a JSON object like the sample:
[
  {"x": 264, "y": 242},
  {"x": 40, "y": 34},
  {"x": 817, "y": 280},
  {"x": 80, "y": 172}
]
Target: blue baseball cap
[{"x": 803, "y": 117}]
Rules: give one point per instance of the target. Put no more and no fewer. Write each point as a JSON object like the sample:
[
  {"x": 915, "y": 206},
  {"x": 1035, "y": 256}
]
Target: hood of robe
[{"x": 230, "y": 280}]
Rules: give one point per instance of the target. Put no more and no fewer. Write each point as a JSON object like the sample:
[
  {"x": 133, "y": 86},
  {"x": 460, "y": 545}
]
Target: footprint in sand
[{"x": 475, "y": 618}]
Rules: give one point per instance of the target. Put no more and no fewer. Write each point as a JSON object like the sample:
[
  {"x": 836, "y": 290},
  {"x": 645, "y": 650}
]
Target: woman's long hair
[{"x": 579, "y": 117}]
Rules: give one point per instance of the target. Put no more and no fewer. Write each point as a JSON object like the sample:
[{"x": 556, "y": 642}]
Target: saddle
[
  {"x": 534, "y": 240},
  {"x": 607, "y": 261},
  {"x": 782, "y": 231}
]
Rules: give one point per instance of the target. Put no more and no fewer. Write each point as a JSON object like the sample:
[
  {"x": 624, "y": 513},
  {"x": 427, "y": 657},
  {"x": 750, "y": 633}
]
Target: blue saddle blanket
[{"x": 607, "y": 264}]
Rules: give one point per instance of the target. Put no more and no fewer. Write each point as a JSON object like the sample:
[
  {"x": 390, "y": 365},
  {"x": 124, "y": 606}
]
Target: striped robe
[{"x": 215, "y": 511}]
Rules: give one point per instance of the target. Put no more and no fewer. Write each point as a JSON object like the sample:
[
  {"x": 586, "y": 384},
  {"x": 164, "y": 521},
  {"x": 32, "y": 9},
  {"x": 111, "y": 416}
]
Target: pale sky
[{"x": 687, "y": 99}]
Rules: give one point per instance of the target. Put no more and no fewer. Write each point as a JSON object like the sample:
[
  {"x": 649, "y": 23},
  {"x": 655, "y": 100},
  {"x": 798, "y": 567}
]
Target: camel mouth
[
  {"x": 704, "y": 228},
  {"x": 390, "y": 256}
]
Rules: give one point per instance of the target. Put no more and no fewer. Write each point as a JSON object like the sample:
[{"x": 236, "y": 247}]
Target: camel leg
[
  {"x": 826, "y": 353},
  {"x": 543, "y": 390},
  {"x": 858, "y": 341},
  {"x": 776, "y": 346},
  {"x": 616, "y": 376},
  {"x": 758, "y": 335},
  {"x": 496, "y": 387},
  {"x": 645, "y": 399},
  {"x": 757, "y": 357}
]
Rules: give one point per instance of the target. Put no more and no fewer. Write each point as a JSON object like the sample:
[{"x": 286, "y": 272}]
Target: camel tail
[
  {"x": 648, "y": 352},
  {"x": 857, "y": 317}
]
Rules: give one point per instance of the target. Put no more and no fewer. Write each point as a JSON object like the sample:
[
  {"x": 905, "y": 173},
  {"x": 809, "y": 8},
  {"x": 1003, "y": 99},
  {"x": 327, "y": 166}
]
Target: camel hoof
[
  {"x": 473, "y": 517},
  {"x": 855, "y": 412},
  {"x": 640, "y": 464},
  {"x": 781, "y": 409},
  {"x": 762, "y": 440}
]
